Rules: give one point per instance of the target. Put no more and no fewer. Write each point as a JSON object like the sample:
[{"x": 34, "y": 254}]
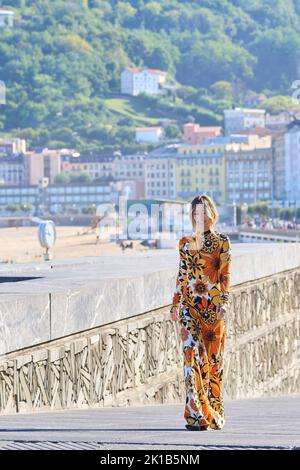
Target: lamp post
[
  {"x": 273, "y": 183},
  {"x": 245, "y": 210},
  {"x": 234, "y": 214},
  {"x": 255, "y": 181},
  {"x": 234, "y": 205}
]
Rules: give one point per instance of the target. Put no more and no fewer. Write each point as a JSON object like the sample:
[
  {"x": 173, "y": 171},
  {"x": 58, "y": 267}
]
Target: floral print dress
[{"x": 202, "y": 287}]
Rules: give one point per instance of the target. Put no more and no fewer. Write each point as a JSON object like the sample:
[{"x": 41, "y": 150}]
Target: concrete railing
[
  {"x": 97, "y": 332},
  {"x": 246, "y": 236}
]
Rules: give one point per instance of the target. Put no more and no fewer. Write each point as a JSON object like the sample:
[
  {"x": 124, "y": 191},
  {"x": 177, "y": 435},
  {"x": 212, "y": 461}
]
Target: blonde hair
[{"x": 209, "y": 207}]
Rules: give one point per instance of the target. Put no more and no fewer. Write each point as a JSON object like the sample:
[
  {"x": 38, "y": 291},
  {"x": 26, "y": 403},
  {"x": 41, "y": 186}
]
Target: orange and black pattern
[{"x": 202, "y": 286}]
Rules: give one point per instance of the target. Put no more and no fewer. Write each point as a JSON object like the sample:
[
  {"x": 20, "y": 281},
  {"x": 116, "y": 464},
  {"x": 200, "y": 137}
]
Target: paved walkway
[{"x": 258, "y": 423}]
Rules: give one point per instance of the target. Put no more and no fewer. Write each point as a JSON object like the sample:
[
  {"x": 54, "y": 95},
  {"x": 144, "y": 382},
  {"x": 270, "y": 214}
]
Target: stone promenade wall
[{"x": 138, "y": 360}]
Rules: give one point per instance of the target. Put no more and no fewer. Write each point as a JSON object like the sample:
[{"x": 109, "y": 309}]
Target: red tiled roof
[
  {"x": 150, "y": 128},
  {"x": 138, "y": 69},
  {"x": 156, "y": 71},
  {"x": 134, "y": 70}
]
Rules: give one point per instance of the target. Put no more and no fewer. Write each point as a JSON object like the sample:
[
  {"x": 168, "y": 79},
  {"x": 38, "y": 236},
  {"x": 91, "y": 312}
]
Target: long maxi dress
[{"x": 202, "y": 286}]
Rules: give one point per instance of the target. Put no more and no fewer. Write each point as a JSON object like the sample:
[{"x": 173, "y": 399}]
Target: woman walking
[{"x": 199, "y": 304}]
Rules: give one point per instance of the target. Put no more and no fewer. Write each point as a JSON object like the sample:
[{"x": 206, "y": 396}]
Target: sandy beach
[{"x": 21, "y": 244}]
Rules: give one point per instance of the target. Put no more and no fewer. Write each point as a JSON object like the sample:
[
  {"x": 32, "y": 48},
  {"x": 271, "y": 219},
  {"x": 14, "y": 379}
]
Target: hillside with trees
[{"x": 61, "y": 64}]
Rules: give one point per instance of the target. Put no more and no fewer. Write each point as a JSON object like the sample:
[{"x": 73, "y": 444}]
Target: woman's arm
[
  {"x": 224, "y": 272},
  {"x": 182, "y": 270}
]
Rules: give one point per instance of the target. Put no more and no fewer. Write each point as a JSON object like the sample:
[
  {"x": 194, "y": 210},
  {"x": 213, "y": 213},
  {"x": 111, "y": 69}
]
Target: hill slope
[{"x": 63, "y": 59}]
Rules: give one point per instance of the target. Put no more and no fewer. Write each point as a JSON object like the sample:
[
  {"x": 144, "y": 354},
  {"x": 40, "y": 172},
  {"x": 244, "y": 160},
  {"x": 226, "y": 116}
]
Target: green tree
[
  {"x": 82, "y": 177},
  {"x": 222, "y": 90},
  {"x": 62, "y": 178},
  {"x": 277, "y": 104},
  {"x": 173, "y": 131}
]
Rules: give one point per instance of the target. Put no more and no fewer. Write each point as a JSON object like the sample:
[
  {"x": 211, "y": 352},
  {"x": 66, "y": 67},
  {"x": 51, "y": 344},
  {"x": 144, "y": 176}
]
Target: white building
[
  {"x": 292, "y": 162},
  {"x": 12, "y": 145},
  {"x": 131, "y": 167},
  {"x": 160, "y": 177},
  {"x": 238, "y": 119},
  {"x": 161, "y": 172},
  {"x": 138, "y": 80},
  {"x": 7, "y": 18},
  {"x": 12, "y": 171},
  {"x": 277, "y": 121},
  {"x": 151, "y": 134},
  {"x": 248, "y": 172}
]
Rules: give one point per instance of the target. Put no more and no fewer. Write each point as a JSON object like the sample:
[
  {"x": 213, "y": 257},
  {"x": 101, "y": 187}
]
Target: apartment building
[
  {"x": 292, "y": 161},
  {"x": 181, "y": 171},
  {"x": 12, "y": 170},
  {"x": 237, "y": 119},
  {"x": 12, "y": 146},
  {"x": 249, "y": 170},
  {"x": 201, "y": 169}
]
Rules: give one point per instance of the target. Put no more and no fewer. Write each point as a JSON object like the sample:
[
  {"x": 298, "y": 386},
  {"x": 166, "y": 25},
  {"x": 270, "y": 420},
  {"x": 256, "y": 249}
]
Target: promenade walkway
[{"x": 264, "y": 423}]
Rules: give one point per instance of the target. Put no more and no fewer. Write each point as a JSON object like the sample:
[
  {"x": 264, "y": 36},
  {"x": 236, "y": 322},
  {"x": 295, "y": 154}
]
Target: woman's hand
[{"x": 174, "y": 313}]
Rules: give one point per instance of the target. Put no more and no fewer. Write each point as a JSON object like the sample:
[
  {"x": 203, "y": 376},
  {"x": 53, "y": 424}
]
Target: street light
[
  {"x": 245, "y": 210},
  {"x": 255, "y": 181},
  {"x": 234, "y": 214},
  {"x": 234, "y": 204}
]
